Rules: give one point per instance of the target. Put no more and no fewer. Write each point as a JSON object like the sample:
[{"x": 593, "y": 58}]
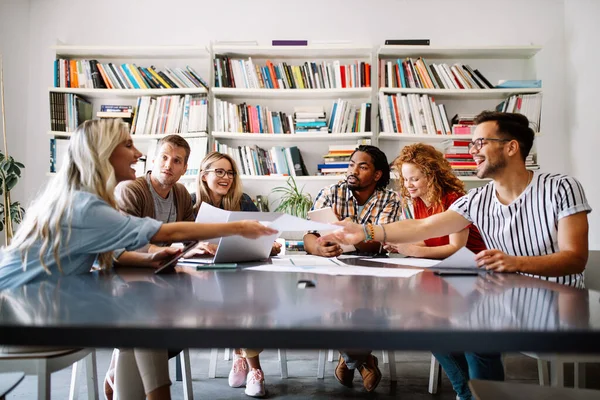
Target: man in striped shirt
[
  {"x": 532, "y": 223},
  {"x": 363, "y": 198}
]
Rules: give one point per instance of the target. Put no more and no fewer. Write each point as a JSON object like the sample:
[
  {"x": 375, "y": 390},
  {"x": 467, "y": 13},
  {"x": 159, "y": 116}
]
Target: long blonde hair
[
  {"x": 232, "y": 200},
  {"x": 86, "y": 167},
  {"x": 435, "y": 167}
]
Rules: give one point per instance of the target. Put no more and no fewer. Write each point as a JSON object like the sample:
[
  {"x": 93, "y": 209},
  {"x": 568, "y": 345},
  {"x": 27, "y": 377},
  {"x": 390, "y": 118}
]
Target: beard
[
  {"x": 355, "y": 184},
  {"x": 491, "y": 168}
]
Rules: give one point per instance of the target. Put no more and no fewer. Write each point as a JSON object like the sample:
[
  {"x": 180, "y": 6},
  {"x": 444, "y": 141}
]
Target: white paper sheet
[
  {"x": 410, "y": 262},
  {"x": 290, "y": 223},
  {"x": 338, "y": 270},
  {"x": 463, "y": 259},
  {"x": 208, "y": 214}
]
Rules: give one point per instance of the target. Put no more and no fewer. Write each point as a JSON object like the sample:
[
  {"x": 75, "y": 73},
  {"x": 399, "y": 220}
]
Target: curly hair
[{"x": 435, "y": 167}]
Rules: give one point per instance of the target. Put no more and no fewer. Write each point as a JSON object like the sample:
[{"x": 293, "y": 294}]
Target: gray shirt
[{"x": 164, "y": 209}]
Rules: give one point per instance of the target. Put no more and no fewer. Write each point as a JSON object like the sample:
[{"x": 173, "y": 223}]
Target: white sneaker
[
  {"x": 239, "y": 370},
  {"x": 255, "y": 383}
]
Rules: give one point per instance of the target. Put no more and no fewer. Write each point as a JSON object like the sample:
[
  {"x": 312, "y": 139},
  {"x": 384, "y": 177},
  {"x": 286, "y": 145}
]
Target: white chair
[
  {"x": 43, "y": 364},
  {"x": 556, "y": 364},
  {"x": 388, "y": 357},
  {"x": 212, "y": 365}
]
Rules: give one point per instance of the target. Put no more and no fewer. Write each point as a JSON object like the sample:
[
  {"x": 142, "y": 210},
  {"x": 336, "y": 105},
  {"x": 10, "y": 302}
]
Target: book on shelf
[
  {"x": 256, "y": 161},
  {"x": 90, "y": 74},
  {"x": 419, "y": 74},
  {"x": 67, "y": 111},
  {"x": 247, "y": 118},
  {"x": 346, "y": 117},
  {"x": 58, "y": 151},
  {"x": 530, "y": 105},
  {"x": 245, "y": 73},
  {"x": 170, "y": 114},
  {"x": 412, "y": 114},
  {"x": 407, "y": 42}
]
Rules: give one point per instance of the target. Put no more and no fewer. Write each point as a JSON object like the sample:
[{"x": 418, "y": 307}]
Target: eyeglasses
[
  {"x": 220, "y": 172},
  {"x": 479, "y": 142}
]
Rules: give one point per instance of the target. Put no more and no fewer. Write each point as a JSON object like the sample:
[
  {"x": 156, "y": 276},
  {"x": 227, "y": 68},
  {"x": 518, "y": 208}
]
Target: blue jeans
[
  {"x": 460, "y": 367},
  {"x": 355, "y": 358}
]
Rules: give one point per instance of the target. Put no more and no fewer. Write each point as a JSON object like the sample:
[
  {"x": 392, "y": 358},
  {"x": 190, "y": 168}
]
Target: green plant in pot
[
  {"x": 10, "y": 173},
  {"x": 293, "y": 200}
]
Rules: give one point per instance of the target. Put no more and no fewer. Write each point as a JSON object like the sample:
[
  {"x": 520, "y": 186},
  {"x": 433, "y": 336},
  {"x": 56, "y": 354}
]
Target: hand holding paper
[{"x": 351, "y": 233}]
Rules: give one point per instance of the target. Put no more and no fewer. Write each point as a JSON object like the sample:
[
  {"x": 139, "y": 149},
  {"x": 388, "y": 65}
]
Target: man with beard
[
  {"x": 533, "y": 224},
  {"x": 362, "y": 198}
]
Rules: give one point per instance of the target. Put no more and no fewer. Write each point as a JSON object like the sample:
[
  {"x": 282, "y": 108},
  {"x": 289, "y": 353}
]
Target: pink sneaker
[
  {"x": 255, "y": 383},
  {"x": 239, "y": 370}
]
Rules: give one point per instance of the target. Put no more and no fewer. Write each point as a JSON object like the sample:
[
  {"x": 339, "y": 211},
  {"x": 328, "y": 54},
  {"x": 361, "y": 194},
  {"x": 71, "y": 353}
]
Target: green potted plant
[
  {"x": 10, "y": 172},
  {"x": 293, "y": 200}
]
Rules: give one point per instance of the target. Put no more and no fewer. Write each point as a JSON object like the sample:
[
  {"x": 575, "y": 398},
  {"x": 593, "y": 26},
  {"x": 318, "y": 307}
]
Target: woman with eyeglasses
[
  {"x": 219, "y": 185},
  {"x": 430, "y": 187}
]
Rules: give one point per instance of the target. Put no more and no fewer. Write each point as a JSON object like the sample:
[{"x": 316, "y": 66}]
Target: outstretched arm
[{"x": 183, "y": 231}]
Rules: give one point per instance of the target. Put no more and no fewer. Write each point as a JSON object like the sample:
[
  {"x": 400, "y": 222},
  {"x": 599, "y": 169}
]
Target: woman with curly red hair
[{"x": 429, "y": 187}]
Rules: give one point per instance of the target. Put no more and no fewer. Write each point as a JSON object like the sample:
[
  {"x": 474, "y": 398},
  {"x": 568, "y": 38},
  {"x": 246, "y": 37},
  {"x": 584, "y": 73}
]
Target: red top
[{"x": 474, "y": 243}]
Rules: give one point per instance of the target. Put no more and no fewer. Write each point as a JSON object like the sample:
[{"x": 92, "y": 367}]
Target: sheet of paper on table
[{"x": 462, "y": 259}]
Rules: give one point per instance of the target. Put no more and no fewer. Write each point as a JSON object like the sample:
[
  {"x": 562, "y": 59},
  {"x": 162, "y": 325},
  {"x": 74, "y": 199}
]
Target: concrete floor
[{"x": 412, "y": 372}]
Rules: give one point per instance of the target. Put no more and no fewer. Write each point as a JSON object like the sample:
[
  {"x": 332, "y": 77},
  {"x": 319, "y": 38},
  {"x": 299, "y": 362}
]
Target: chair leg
[
  {"x": 435, "y": 375},
  {"x": 212, "y": 364},
  {"x": 283, "y": 363},
  {"x": 91, "y": 375},
  {"x": 384, "y": 357},
  {"x": 543, "y": 372},
  {"x": 330, "y": 356},
  {"x": 227, "y": 354},
  {"x": 43, "y": 380},
  {"x": 391, "y": 356},
  {"x": 579, "y": 379},
  {"x": 321, "y": 365},
  {"x": 75, "y": 379},
  {"x": 557, "y": 368},
  {"x": 188, "y": 392}
]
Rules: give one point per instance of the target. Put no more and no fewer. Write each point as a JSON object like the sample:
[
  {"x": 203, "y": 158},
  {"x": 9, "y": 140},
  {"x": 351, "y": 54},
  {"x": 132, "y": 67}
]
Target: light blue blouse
[{"x": 96, "y": 227}]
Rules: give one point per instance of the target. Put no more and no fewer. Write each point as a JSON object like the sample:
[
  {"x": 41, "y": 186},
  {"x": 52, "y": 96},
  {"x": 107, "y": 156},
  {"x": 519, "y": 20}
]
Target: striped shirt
[
  {"x": 529, "y": 225},
  {"x": 383, "y": 207}
]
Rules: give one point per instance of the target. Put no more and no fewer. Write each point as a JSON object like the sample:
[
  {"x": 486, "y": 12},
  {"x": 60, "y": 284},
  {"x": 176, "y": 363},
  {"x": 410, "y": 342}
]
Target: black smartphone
[
  {"x": 457, "y": 272},
  {"x": 168, "y": 266}
]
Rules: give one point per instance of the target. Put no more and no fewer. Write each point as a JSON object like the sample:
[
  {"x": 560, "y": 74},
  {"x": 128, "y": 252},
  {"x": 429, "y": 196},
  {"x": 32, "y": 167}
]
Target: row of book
[
  {"x": 170, "y": 114},
  {"x": 94, "y": 75},
  {"x": 67, "y": 111},
  {"x": 256, "y": 161},
  {"x": 240, "y": 73},
  {"x": 413, "y": 114},
  {"x": 230, "y": 117},
  {"x": 347, "y": 117},
  {"x": 420, "y": 74},
  {"x": 530, "y": 105}
]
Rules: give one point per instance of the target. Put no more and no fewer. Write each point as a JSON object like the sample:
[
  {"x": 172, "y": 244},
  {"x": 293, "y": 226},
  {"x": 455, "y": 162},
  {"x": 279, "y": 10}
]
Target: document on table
[{"x": 462, "y": 259}]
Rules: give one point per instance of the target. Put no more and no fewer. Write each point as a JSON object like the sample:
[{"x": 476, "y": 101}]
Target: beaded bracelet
[{"x": 369, "y": 231}]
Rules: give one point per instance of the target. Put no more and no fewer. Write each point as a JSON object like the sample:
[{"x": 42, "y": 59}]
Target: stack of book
[
  {"x": 461, "y": 161},
  {"x": 336, "y": 161},
  {"x": 310, "y": 120},
  {"x": 463, "y": 124},
  {"x": 420, "y": 74},
  {"x": 125, "y": 112},
  {"x": 412, "y": 114},
  {"x": 170, "y": 114},
  {"x": 346, "y": 117},
  {"x": 92, "y": 74},
  {"x": 531, "y": 162},
  {"x": 238, "y": 73}
]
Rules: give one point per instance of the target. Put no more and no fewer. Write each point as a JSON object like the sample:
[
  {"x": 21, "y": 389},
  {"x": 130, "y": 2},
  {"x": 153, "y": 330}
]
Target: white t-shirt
[{"x": 529, "y": 225}]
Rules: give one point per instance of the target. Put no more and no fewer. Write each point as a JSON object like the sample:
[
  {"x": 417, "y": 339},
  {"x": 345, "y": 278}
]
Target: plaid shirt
[{"x": 383, "y": 207}]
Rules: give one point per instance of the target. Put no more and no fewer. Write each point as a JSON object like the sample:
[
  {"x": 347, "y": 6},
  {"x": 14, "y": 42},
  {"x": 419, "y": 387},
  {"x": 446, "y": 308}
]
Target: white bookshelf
[
  {"x": 462, "y": 94},
  {"x": 460, "y": 52},
  {"x": 324, "y": 51},
  {"x": 196, "y": 56}
]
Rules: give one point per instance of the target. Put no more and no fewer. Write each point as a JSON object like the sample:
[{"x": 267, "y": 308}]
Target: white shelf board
[
  {"x": 314, "y": 51},
  {"x": 68, "y": 51},
  {"x": 462, "y": 93},
  {"x": 140, "y": 137},
  {"x": 113, "y": 93},
  {"x": 489, "y": 52},
  {"x": 267, "y": 178},
  {"x": 473, "y": 179},
  {"x": 407, "y": 137},
  {"x": 291, "y": 137},
  {"x": 292, "y": 93}
]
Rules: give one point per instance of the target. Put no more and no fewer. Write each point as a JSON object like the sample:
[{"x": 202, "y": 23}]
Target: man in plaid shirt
[{"x": 363, "y": 197}]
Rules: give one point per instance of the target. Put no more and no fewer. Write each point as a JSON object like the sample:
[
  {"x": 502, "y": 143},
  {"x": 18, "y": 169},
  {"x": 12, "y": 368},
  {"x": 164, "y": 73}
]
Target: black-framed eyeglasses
[
  {"x": 479, "y": 142},
  {"x": 220, "y": 172}
]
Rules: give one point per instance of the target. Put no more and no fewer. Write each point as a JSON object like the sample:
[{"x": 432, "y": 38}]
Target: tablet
[{"x": 168, "y": 266}]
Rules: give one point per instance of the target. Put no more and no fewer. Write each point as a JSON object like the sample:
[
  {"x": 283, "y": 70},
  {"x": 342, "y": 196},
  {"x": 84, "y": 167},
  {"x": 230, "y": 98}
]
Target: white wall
[
  {"x": 445, "y": 22},
  {"x": 582, "y": 55}
]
